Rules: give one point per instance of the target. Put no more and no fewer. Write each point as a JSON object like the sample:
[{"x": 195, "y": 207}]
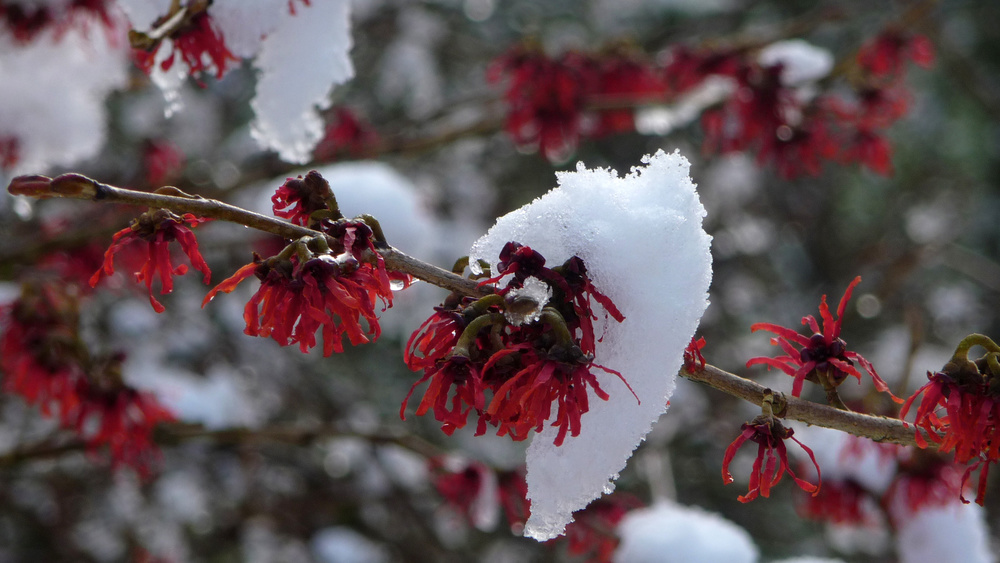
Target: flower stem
[{"x": 77, "y": 186}]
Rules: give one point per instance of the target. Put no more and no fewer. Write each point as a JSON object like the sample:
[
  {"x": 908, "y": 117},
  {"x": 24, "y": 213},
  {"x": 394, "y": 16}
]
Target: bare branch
[
  {"x": 77, "y": 186},
  {"x": 877, "y": 428}
]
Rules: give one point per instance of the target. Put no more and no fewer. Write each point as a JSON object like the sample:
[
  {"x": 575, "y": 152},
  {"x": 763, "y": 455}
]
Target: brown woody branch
[
  {"x": 174, "y": 434},
  {"x": 877, "y": 428},
  {"x": 76, "y": 186}
]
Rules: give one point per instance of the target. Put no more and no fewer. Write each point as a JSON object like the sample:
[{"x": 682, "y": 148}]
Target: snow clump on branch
[{"x": 642, "y": 239}]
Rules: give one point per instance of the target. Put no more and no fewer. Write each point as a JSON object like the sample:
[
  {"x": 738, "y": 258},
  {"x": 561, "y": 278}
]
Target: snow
[
  {"x": 642, "y": 241},
  {"x": 803, "y": 62},
  {"x": 955, "y": 532},
  {"x": 298, "y": 63},
  {"x": 298, "y": 58},
  {"x": 53, "y": 90},
  {"x": 671, "y": 532}
]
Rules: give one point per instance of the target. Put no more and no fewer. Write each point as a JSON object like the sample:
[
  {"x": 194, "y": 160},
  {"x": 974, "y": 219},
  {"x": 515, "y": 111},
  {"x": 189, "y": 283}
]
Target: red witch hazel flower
[
  {"x": 960, "y": 409},
  {"x": 470, "y": 488},
  {"x": 884, "y": 57},
  {"x": 530, "y": 345},
  {"x": 199, "y": 43},
  {"x": 43, "y": 360},
  {"x": 307, "y": 287},
  {"x": 593, "y": 530},
  {"x": 823, "y": 357},
  {"x": 545, "y": 98},
  {"x": 298, "y": 198},
  {"x": 157, "y": 229},
  {"x": 346, "y": 134},
  {"x": 772, "y": 458}
]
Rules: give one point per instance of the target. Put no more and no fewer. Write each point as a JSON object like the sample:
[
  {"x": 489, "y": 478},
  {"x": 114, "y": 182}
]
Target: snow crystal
[
  {"x": 53, "y": 89},
  {"x": 298, "y": 63},
  {"x": 956, "y": 532},
  {"x": 535, "y": 294},
  {"x": 644, "y": 247},
  {"x": 685, "y": 533},
  {"x": 803, "y": 62}
]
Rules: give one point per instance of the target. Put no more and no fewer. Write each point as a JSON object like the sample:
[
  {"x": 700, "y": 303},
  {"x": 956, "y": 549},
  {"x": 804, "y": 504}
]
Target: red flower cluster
[
  {"x": 923, "y": 479},
  {"x": 43, "y": 360},
  {"x": 884, "y": 56},
  {"x": 531, "y": 355},
  {"x": 474, "y": 490},
  {"x": 772, "y": 458},
  {"x": 157, "y": 229},
  {"x": 553, "y": 102},
  {"x": 824, "y": 354},
  {"x": 345, "y": 133},
  {"x": 162, "y": 160},
  {"x": 25, "y": 22},
  {"x": 199, "y": 43},
  {"x": 839, "y": 502},
  {"x": 303, "y": 290},
  {"x": 546, "y": 99},
  {"x": 960, "y": 410}
]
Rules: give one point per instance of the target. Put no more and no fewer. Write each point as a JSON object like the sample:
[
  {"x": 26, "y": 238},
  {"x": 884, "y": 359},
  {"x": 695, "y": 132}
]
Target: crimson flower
[
  {"x": 345, "y": 133},
  {"x": 624, "y": 79},
  {"x": 298, "y": 198},
  {"x": 513, "y": 360},
  {"x": 297, "y": 299},
  {"x": 545, "y": 98},
  {"x": 125, "y": 419},
  {"x": 36, "y": 346},
  {"x": 43, "y": 360},
  {"x": 157, "y": 229},
  {"x": 162, "y": 160},
  {"x": 693, "y": 360},
  {"x": 883, "y": 57},
  {"x": 960, "y": 411},
  {"x": 470, "y": 488},
  {"x": 772, "y": 458},
  {"x": 824, "y": 353},
  {"x": 10, "y": 152},
  {"x": 514, "y": 498},
  {"x": 196, "y": 41},
  {"x": 460, "y": 379},
  {"x": 838, "y": 502},
  {"x": 592, "y": 533},
  {"x": 925, "y": 480},
  {"x": 561, "y": 377},
  {"x": 25, "y": 22}
]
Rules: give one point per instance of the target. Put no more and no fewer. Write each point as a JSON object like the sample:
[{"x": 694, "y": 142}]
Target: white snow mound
[{"x": 642, "y": 241}]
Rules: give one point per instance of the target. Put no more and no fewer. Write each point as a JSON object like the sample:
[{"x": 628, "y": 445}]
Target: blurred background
[{"x": 284, "y": 456}]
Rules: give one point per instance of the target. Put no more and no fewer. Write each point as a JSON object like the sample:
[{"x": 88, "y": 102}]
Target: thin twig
[
  {"x": 877, "y": 428},
  {"x": 76, "y": 186}
]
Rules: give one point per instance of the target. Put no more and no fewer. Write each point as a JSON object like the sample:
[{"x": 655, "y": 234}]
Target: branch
[
  {"x": 77, "y": 186},
  {"x": 177, "y": 433},
  {"x": 877, "y": 428}
]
